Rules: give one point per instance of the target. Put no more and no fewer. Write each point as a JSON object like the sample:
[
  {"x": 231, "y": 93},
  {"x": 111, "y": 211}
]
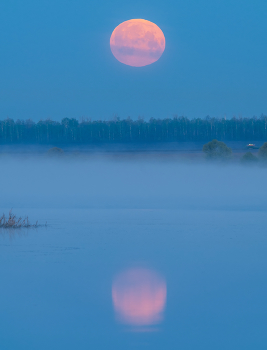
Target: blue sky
[{"x": 55, "y": 60}]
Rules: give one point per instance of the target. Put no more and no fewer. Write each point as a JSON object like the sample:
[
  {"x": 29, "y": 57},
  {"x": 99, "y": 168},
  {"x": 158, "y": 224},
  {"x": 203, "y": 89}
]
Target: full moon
[{"x": 137, "y": 42}]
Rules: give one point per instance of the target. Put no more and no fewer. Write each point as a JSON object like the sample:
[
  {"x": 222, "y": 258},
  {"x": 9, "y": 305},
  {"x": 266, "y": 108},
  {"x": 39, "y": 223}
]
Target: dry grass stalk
[{"x": 13, "y": 222}]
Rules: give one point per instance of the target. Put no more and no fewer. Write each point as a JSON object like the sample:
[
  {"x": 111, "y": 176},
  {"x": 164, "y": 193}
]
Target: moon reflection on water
[{"x": 139, "y": 297}]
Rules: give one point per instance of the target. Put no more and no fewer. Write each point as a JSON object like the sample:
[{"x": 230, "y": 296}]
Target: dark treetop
[{"x": 71, "y": 131}]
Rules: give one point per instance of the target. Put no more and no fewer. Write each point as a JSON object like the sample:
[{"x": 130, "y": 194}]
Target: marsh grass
[{"x": 11, "y": 221}]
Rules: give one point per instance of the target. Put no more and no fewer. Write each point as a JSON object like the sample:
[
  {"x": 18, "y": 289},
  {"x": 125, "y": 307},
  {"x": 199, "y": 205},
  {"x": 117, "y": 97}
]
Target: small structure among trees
[{"x": 217, "y": 150}]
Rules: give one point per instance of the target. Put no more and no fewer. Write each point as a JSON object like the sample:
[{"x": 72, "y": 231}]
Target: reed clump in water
[{"x": 11, "y": 221}]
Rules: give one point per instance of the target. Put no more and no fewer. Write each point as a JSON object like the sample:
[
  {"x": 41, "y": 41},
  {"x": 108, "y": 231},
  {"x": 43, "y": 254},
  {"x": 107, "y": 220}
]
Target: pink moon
[
  {"x": 137, "y": 42},
  {"x": 139, "y": 297}
]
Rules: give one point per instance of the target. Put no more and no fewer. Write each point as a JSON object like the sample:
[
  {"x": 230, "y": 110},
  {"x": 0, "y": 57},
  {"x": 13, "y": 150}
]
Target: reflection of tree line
[{"x": 128, "y": 130}]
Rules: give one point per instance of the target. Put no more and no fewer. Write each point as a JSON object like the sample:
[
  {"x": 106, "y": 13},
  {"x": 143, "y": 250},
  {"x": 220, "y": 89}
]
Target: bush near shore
[
  {"x": 11, "y": 221},
  {"x": 263, "y": 152},
  {"x": 249, "y": 158},
  {"x": 55, "y": 151},
  {"x": 217, "y": 150}
]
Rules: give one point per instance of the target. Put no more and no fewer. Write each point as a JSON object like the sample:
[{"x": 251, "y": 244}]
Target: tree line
[{"x": 70, "y": 130}]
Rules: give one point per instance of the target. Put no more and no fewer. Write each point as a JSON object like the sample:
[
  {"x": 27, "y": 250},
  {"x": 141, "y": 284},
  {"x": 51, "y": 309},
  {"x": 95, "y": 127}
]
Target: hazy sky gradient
[{"x": 56, "y": 60}]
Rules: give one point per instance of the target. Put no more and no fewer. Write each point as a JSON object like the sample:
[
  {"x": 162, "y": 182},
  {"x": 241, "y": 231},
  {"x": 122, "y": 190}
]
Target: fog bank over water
[{"x": 98, "y": 183}]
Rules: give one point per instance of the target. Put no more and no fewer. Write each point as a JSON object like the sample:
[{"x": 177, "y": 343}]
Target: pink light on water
[{"x": 139, "y": 297}]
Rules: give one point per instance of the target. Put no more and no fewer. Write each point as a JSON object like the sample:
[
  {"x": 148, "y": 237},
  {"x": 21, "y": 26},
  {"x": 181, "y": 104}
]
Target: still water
[{"x": 135, "y": 256}]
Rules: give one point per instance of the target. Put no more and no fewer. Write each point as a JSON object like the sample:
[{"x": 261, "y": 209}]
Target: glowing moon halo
[{"x": 137, "y": 42}]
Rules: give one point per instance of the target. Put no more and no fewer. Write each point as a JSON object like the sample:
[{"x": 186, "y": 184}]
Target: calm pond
[{"x": 136, "y": 255}]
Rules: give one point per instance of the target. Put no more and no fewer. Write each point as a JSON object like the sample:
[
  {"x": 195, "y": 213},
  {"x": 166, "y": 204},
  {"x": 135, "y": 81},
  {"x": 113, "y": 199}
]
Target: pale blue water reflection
[
  {"x": 56, "y": 282},
  {"x": 209, "y": 252}
]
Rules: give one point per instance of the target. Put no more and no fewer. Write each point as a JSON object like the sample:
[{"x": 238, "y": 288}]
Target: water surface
[{"x": 200, "y": 230}]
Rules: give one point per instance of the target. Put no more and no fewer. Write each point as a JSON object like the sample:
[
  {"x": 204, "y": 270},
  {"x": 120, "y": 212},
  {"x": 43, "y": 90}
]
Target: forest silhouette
[{"x": 72, "y": 131}]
